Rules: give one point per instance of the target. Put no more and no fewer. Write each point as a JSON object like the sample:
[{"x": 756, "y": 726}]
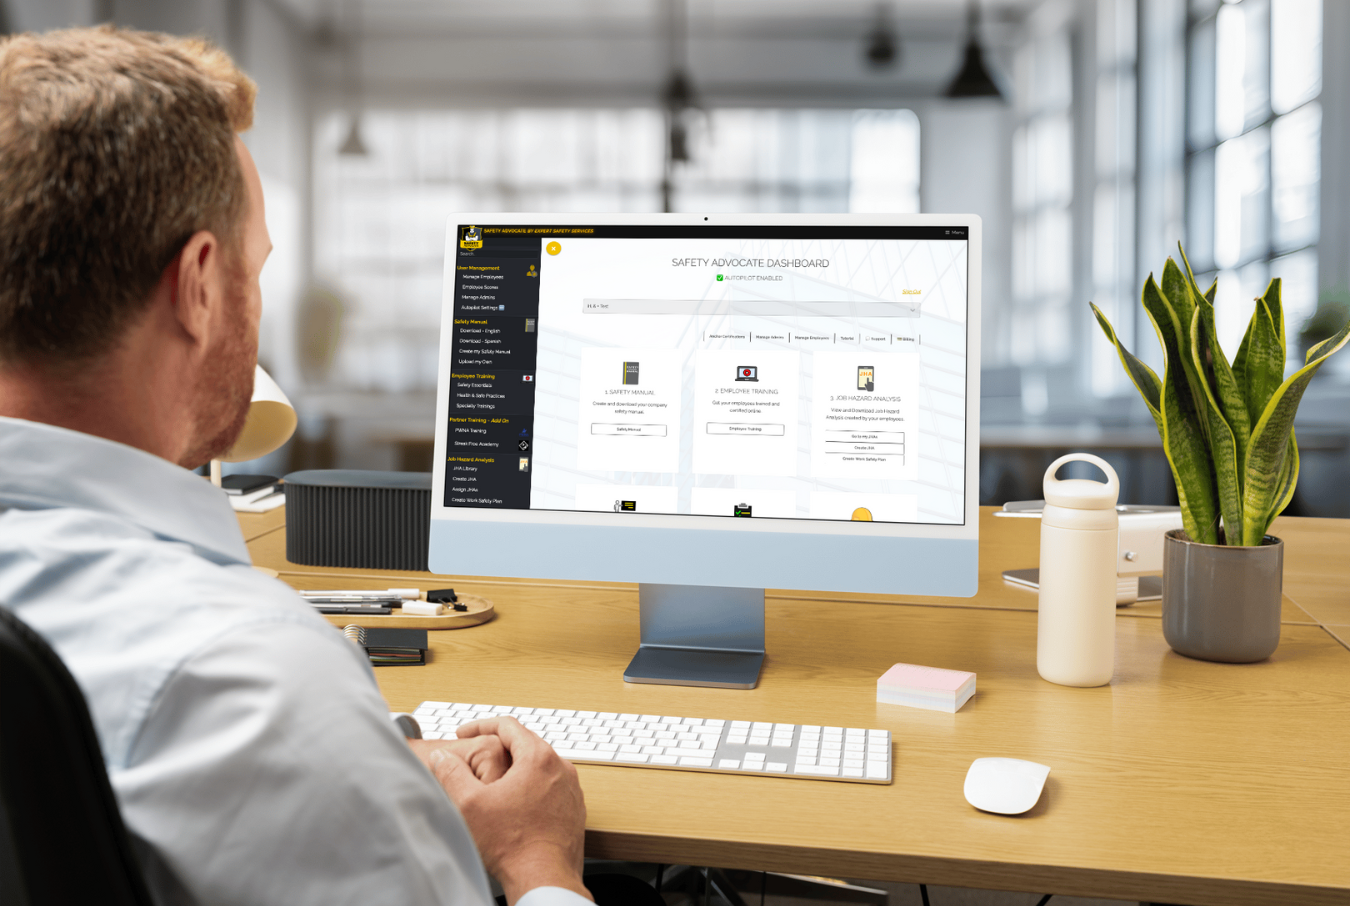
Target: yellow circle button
[
  {"x": 862, "y": 514},
  {"x": 553, "y": 248}
]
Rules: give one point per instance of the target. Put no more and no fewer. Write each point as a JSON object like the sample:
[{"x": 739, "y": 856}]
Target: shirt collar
[{"x": 42, "y": 467}]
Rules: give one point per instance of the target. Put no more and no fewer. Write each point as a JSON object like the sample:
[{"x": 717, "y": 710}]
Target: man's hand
[
  {"x": 530, "y": 824},
  {"x": 485, "y": 755}
]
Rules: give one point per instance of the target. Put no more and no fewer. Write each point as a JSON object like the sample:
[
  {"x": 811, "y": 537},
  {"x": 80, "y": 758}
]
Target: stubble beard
[{"x": 225, "y": 390}]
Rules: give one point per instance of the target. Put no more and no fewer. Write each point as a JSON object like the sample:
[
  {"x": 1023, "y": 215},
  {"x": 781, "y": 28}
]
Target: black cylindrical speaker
[{"x": 357, "y": 518}]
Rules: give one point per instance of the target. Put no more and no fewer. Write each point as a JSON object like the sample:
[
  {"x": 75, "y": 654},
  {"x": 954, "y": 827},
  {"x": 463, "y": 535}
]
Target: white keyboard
[{"x": 686, "y": 743}]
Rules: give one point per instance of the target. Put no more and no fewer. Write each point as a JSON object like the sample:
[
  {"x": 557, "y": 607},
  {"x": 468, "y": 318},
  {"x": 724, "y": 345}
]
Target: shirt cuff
[{"x": 553, "y": 896}]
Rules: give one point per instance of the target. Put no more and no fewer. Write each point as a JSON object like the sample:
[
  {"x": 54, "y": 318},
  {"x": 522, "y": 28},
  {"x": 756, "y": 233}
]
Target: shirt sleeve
[
  {"x": 553, "y": 896},
  {"x": 268, "y": 772}
]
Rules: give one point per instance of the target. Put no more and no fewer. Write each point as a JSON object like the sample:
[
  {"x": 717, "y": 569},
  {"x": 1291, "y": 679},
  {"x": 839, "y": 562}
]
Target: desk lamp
[{"x": 270, "y": 423}]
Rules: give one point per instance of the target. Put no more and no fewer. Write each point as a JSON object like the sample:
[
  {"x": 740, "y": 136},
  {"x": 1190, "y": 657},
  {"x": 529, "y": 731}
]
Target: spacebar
[{"x": 579, "y": 755}]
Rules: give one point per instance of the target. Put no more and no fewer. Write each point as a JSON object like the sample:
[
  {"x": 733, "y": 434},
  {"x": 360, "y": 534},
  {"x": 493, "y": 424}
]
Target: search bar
[{"x": 818, "y": 308}]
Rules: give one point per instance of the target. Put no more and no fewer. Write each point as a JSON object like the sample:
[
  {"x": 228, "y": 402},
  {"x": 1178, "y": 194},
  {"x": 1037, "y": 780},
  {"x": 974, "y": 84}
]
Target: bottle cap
[{"x": 1081, "y": 493}]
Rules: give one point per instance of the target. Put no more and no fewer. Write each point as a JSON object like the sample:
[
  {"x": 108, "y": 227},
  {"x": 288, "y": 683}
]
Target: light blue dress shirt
[{"x": 246, "y": 740}]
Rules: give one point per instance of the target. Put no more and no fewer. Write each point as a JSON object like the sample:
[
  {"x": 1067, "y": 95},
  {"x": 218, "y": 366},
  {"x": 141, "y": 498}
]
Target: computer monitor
[{"x": 710, "y": 405}]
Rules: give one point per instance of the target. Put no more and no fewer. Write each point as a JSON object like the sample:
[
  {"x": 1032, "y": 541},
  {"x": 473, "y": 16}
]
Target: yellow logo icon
[
  {"x": 553, "y": 248},
  {"x": 862, "y": 514},
  {"x": 472, "y": 238}
]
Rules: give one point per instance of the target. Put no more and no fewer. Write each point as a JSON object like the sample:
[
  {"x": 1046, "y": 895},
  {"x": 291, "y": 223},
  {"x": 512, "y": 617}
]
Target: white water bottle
[{"x": 1076, "y": 628}]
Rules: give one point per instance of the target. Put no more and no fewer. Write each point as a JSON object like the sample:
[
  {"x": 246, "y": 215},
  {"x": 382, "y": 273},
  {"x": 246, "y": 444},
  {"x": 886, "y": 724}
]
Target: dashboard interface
[{"x": 765, "y": 372}]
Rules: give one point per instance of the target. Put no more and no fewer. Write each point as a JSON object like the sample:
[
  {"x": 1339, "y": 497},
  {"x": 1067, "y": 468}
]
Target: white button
[
  {"x": 607, "y": 747},
  {"x": 665, "y": 759},
  {"x": 853, "y": 772},
  {"x": 780, "y": 742},
  {"x": 776, "y": 766},
  {"x": 631, "y": 757},
  {"x": 628, "y": 717},
  {"x": 876, "y": 771},
  {"x": 607, "y": 715},
  {"x": 740, "y": 725},
  {"x": 879, "y": 734},
  {"x": 585, "y": 746},
  {"x": 753, "y": 766},
  {"x": 816, "y": 770},
  {"x": 630, "y": 749},
  {"x": 754, "y": 756},
  {"x": 652, "y": 750},
  {"x": 688, "y": 761},
  {"x": 853, "y": 762},
  {"x": 829, "y": 762},
  {"x": 729, "y": 764}
]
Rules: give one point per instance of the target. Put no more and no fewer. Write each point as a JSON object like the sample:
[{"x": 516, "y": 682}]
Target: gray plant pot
[{"x": 1222, "y": 603}]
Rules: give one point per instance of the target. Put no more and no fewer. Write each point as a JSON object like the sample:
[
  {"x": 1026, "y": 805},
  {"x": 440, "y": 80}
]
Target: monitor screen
[{"x": 617, "y": 394}]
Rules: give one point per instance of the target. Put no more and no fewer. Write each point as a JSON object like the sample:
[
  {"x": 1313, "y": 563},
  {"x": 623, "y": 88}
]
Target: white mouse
[{"x": 1008, "y": 786}]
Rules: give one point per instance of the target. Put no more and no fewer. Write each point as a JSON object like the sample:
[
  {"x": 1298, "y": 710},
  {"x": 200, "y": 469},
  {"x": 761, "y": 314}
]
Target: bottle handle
[{"x": 1112, "y": 480}]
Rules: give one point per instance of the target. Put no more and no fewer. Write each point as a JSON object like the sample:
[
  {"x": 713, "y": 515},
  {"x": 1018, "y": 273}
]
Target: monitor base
[
  {"x": 693, "y": 667},
  {"x": 695, "y": 635}
]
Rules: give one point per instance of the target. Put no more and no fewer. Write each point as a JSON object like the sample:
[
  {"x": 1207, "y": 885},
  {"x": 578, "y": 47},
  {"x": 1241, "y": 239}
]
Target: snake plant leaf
[
  {"x": 1224, "y": 447},
  {"x": 1288, "y": 477},
  {"x": 1180, "y": 300},
  {"x": 1145, "y": 378},
  {"x": 1229, "y": 393},
  {"x": 1183, "y": 436},
  {"x": 1259, "y": 364},
  {"x": 1270, "y": 442}
]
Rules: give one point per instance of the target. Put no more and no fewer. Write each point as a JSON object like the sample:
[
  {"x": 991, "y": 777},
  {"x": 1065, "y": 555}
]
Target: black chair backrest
[{"x": 62, "y": 839}]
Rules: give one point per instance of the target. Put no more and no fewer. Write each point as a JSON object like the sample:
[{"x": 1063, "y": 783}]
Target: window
[
  {"x": 380, "y": 219},
  {"x": 1253, "y": 155},
  {"x": 1043, "y": 169},
  {"x": 1114, "y": 277}
]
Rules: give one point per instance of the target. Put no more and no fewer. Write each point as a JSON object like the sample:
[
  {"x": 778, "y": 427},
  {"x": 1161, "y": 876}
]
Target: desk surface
[{"x": 1182, "y": 781}]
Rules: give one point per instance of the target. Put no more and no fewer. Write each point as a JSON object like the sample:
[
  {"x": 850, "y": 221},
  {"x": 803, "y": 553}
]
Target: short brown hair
[{"x": 116, "y": 146}]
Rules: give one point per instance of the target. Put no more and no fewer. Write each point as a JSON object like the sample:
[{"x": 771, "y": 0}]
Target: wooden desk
[{"x": 1181, "y": 782}]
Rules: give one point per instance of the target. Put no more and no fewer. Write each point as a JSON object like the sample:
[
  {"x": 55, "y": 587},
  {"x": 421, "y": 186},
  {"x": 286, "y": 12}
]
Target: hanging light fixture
[
  {"x": 881, "y": 49},
  {"x": 974, "y": 80},
  {"x": 678, "y": 98},
  {"x": 353, "y": 145}
]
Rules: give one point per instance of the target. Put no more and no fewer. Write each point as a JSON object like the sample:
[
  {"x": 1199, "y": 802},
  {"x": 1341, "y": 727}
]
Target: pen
[
  {"x": 377, "y": 608},
  {"x": 363, "y": 593},
  {"x": 354, "y": 599}
]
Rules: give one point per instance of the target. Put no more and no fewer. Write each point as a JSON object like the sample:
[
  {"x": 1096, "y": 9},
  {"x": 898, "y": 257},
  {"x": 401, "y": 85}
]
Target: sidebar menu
[{"x": 490, "y": 438}]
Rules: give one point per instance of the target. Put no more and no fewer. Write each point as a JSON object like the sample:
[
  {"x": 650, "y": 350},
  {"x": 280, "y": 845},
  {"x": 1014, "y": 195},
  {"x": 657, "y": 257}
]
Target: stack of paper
[{"x": 926, "y": 687}]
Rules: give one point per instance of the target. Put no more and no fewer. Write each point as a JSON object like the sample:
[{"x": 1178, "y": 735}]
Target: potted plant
[{"x": 1228, "y": 432}]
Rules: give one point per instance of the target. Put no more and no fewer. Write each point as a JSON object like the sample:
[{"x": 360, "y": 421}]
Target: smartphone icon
[{"x": 865, "y": 377}]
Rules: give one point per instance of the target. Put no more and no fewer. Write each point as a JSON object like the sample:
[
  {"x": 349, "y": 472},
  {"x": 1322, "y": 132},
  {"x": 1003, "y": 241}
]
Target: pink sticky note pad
[
  {"x": 934, "y": 688},
  {"x": 912, "y": 676}
]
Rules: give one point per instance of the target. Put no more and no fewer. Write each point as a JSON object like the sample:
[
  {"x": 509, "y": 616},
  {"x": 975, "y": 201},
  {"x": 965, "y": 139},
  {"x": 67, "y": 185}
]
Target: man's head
[{"x": 123, "y": 182}]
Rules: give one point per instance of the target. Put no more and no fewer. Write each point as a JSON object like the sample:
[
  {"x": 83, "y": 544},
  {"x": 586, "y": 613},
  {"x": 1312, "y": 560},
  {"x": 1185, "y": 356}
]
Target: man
[{"x": 251, "y": 753}]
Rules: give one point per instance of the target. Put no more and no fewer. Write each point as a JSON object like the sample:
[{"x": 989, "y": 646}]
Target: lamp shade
[{"x": 270, "y": 423}]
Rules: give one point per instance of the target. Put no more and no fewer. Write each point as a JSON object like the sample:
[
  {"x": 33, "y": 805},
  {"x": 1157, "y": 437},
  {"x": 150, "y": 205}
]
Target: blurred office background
[{"x": 1107, "y": 131}]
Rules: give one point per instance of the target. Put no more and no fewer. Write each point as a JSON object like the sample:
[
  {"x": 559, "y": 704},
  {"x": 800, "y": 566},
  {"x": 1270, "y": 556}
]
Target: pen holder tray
[{"x": 480, "y": 611}]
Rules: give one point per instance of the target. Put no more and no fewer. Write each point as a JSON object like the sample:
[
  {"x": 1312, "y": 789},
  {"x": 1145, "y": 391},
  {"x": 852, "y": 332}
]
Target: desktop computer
[{"x": 709, "y": 406}]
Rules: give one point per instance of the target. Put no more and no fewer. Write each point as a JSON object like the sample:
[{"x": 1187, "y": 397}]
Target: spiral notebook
[{"x": 387, "y": 647}]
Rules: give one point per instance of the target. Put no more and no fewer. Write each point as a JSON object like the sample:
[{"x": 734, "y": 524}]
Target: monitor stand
[{"x": 699, "y": 635}]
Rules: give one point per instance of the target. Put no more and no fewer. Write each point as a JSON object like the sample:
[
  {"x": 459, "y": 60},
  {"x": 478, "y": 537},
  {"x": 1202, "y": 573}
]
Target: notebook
[{"x": 387, "y": 647}]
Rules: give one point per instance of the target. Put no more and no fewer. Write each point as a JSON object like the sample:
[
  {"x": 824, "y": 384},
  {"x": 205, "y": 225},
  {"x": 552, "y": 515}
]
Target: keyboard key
[
  {"x": 776, "y": 767},
  {"x": 665, "y": 759},
  {"x": 729, "y": 764},
  {"x": 876, "y": 771},
  {"x": 853, "y": 772},
  {"x": 815, "y": 770},
  {"x": 631, "y": 757},
  {"x": 688, "y": 761}
]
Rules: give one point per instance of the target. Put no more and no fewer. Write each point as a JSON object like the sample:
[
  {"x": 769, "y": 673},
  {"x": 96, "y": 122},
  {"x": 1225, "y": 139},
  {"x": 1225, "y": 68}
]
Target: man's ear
[{"x": 196, "y": 280}]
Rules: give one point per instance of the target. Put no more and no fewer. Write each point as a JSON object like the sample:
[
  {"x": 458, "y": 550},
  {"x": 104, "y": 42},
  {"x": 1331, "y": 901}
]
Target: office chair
[{"x": 62, "y": 839}]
